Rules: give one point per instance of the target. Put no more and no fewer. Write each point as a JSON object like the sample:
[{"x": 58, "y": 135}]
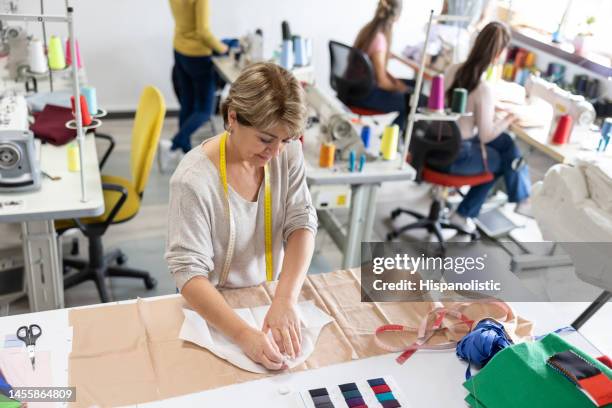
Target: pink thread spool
[
  {"x": 69, "y": 55},
  {"x": 436, "y": 95}
]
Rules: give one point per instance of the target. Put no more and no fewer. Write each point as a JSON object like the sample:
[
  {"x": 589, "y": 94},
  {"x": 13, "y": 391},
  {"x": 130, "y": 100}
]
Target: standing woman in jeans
[
  {"x": 194, "y": 44},
  {"x": 484, "y": 134}
]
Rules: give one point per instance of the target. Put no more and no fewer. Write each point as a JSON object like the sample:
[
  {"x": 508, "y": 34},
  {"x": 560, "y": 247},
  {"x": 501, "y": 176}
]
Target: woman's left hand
[{"x": 284, "y": 322}]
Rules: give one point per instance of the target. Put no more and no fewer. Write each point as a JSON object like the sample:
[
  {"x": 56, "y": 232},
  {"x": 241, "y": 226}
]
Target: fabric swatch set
[{"x": 373, "y": 393}]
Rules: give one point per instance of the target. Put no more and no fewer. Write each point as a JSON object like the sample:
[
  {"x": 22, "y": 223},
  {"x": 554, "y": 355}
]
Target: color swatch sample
[
  {"x": 320, "y": 397},
  {"x": 352, "y": 395},
  {"x": 383, "y": 393}
]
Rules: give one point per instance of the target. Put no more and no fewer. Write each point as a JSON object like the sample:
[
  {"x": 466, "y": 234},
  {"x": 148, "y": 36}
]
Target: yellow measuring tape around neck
[{"x": 267, "y": 216}]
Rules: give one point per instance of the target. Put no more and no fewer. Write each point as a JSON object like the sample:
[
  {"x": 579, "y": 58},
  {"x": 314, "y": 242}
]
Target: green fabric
[
  {"x": 518, "y": 377},
  {"x": 6, "y": 402}
]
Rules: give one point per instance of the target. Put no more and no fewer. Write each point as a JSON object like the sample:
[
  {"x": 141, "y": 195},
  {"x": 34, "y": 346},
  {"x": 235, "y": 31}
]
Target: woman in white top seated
[
  {"x": 240, "y": 213},
  {"x": 484, "y": 131}
]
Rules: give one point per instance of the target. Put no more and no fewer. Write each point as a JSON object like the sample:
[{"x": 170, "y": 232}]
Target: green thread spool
[
  {"x": 56, "y": 54},
  {"x": 459, "y": 101}
]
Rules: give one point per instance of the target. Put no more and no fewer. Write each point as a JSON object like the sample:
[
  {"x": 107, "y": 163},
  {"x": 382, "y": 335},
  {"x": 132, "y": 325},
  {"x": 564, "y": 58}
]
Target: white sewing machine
[
  {"x": 562, "y": 102},
  {"x": 19, "y": 164},
  {"x": 335, "y": 120},
  {"x": 342, "y": 127}
]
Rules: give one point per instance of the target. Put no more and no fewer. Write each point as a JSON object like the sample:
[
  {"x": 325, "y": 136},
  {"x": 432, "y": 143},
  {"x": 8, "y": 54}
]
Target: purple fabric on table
[{"x": 50, "y": 125}]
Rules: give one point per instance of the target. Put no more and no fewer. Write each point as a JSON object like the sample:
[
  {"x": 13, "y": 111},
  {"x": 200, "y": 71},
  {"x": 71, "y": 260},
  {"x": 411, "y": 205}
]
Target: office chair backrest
[
  {"x": 351, "y": 73},
  {"x": 434, "y": 144},
  {"x": 145, "y": 135}
]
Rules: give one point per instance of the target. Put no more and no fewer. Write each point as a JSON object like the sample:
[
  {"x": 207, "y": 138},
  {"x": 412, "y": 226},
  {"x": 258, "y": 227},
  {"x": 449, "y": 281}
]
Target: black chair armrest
[
  {"x": 109, "y": 149},
  {"x": 85, "y": 228},
  {"x": 113, "y": 213}
]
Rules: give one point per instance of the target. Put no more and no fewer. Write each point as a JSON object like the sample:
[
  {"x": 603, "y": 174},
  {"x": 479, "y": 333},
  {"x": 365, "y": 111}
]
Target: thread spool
[
  {"x": 530, "y": 60},
  {"x": 436, "y": 95},
  {"x": 287, "y": 54},
  {"x": 36, "y": 56},
  {"x": 508, "y": 73},
  {"x": 69, "y": 54},
  {"x": 521, "y": 76},
  {"x": 326, "y": 155},
  {"x": 299, "y": 50},
  {"x": 519, "y": 59},
  {"x": 563, "y": 130},
  {"x": 351, "y": 161},
  {"x": 592, "y": 88},
  {"x": 56, "y": 54},
  {"x": 85, "y": 116},
  {"x": 286, "y": 31},
  {"x": 308, "y": 47},
  {"x": 606, "y": 127},
  {"x": 90, "y": 96},
  {"x": 74, "y": 163},
  {"x": 459, "y": 100},
  {"x": 366, "y": 133},
  {"x": 388, "y": 145},
  {"x": 580, "y": 84}
]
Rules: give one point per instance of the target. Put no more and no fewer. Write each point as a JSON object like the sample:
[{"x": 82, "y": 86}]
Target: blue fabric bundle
[{"x": 482, "y": 343}]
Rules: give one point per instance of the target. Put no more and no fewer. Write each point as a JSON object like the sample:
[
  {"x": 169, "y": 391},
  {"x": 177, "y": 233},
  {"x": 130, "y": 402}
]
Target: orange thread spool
[{"x": 326, "y": 156}]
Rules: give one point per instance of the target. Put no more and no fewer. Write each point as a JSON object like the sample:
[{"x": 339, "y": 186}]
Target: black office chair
[
  {"x": 433, "y": 147},
  {"x": 351, "y": 76}
]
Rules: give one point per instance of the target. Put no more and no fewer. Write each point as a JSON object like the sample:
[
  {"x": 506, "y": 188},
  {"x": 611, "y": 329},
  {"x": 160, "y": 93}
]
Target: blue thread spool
[
  {"x": 90, "y": 96},
  {"x": 299, "y": 49},
  {"x": 362, "y": 160},
  {"x": 365, "y": 136},
  {"x": 606, "y": 133},
  {"x": 351, "y": 161},
  {"x": 287, "y": 54}
]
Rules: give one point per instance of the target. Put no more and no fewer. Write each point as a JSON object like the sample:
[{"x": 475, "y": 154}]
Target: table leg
[
  {"x": 354, "y": 234},
  {"x": 42, "y": 266},
  {"x": 370, "y": 210}
]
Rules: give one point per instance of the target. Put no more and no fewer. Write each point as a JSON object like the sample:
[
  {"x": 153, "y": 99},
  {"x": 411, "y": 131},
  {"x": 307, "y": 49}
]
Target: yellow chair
[{"x": 122, "y": 200}]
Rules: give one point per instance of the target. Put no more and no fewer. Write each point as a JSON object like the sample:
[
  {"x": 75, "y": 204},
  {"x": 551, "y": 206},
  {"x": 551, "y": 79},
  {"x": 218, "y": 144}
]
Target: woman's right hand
[{"x": 260, "y": 348}]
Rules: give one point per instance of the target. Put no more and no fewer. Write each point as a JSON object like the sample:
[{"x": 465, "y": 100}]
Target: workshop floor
[{"x": 143, "y": 238}]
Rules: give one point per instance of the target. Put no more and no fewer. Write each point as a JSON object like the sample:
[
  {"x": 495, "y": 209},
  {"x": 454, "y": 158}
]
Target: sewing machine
[
  {"x": 19, "y": 164},
  {"x": 562, "y": 102},
  {"x": 14, "y": 43},
  {"x": 336, "y": 124}
]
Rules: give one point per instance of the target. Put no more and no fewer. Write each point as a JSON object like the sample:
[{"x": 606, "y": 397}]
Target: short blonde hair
[{"x": 266, "y": 95}]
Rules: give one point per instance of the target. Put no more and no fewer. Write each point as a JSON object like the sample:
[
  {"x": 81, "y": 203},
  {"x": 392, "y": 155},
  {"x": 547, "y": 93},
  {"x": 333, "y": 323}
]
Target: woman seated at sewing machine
[
  {"x": 483, "y": 133},
  {"x": 240, "y": 213},
  {"x": 389, "y": 94}
]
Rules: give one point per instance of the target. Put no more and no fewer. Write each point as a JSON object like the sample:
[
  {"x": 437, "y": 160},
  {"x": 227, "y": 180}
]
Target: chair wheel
[
  {"x": 391, "y": 236},
  {"x": 150, "y": 283},
  {"x": 122, "y": 259},
  {"x": 474, "y": 236},
  {"x": 395, "y": 213}
]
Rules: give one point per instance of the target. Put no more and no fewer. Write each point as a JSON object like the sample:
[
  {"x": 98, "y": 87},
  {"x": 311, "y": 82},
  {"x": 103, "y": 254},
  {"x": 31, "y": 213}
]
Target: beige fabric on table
[{"x": 128, "y": 354}]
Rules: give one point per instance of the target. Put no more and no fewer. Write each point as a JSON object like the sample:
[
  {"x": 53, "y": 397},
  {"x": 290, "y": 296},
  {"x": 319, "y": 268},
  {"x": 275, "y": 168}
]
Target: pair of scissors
[{"x": 29, "y": 335}]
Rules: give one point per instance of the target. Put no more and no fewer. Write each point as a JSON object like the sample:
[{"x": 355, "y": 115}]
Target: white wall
[{"x": 127, "y": 44}]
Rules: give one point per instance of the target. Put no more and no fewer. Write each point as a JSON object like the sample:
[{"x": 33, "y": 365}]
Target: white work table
[
  {"x": 364, "y": 187},
  {"x": 37, "y": 210},
  {"x": 582, "y": 144},
  {"x": 429, "y": 379}
]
